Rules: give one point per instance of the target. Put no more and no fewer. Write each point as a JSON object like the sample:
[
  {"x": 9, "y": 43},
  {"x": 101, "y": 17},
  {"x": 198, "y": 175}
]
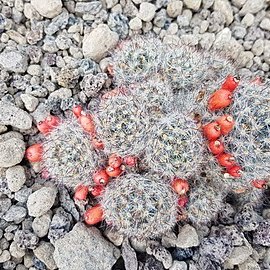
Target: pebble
[
  {"x": 44, "y": 252},
  {"x": 114, "y": 237},
  {"x": 15, "y": 178},
  {"x": 193, "y": 4},
  {"x": 265, "y": 24},
  {"x": 147, "y": 11},
  {"x": 49, "y": 8},
  {"x": 129, "y": 256},
  {"x": 15, "y": 251},
  {"x": 23, "y": 194},
  {"x": 5, "y": 204},
  {"x": 97, "y": 43},
  {"x": 225, "y": 8},
  {"x": 30, "y": 102},
  {"x": 87, "y": 245},
  {"x": 135, "y": 24},
  {"x": 239, "y": 255},
  {"x": 5, "y": 256},
  {"x": 41, "y": 201},
  {"x": 207, "y": 40},
  {"x": 258, "y": 47},
  {"x": 251, "y": 6},
  {"x": 249, "y": 264},
  {"x": 187, "y": 237},
  {"x": 15, "y": 214},
  {"x": 12, "y": 152},
  {"x": 178, "y": 265},
  {"x": 248, "y": 20},
  {"x": 174, "y": 8},
  {"x": 41, "y": 224},
  {"x": 92, "y": 7},
  {"x": 14, "y": 116},
  {"x": 245, "y": 59},
  {"x": 222, "y": 38},
  {"x": 14, "y": 61}
]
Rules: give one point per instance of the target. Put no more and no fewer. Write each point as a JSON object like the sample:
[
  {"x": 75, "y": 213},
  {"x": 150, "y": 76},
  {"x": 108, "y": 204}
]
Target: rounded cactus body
[
  {"x": 141, "y": 206},
  {"x": 175, "y": 146},
  {"x": 68, "y": 154}
]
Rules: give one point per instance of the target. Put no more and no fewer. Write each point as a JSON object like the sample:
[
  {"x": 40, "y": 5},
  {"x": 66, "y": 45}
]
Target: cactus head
[{"x": 140, "y": 206}]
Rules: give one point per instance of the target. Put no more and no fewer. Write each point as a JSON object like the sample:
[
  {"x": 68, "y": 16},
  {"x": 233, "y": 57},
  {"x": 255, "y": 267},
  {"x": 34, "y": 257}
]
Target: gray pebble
[
  {"x": 179, "y": 265},
  {"x": 225, "y": 8},
  {"x": 239, "y": 255},
  {"x": 248, "y": 20},
  {"x": 15, "y": 251},
  {"x": 92, "y": 7},
  {"x": 5, "y": 256},
  {"x": 15, "y": 178},
  {"x": 30, "y": 102},
  {"x": 129, "y": 256},
  {"x": 135, "y": 24},
  {"x": 48, "y": 9},
  {"x": 5, "y": 204},
  {"x": 193, "y": 4},
  {"x": 251, "y": 6},
  {"x": 187, "y": 237},
  {"x": 249, "y": 264},
  {"x": 265, "y": 24},
  {"x": 15, "y": 214},
  {"x": 174, "y": 8},
  {"x": 258, "y": 47},
  {"x": 146, "y": 12},
  {"x": 14, "y": 61}
]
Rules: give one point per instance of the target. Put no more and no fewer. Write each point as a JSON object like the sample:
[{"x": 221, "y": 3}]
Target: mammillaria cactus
[{"x": 142, "y": 206}]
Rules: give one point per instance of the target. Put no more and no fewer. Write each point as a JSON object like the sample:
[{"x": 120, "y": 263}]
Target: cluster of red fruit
[
  {"x": 220, "y": 99},
  {"x": 181, "y": 187}
]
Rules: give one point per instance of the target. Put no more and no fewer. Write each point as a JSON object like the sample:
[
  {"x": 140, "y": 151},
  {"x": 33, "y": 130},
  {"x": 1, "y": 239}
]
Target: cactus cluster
[
  {"x": 141, "y": 206},
  {"x": 175, "y": 135}
]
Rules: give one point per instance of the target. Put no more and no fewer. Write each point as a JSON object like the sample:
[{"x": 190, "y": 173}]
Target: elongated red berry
[
  {"x": 52, "y": 121},
  {"x": 226, "y": 160},
  {"x": 34, "y": 152},
  {"x": 93, "y": 215},
  {"x": 97, "y": 144},
  {"x": 100, "y": 177},
  {"x": 182, "y": 201},
  {"x": 216, "y": 147},
  {"x": 235, "y": 171},
  {"x": 130, "y": 161},
  {"x": 113, "y": 172},
  {"x": 77, "y": 110},
  {"x": 226, "y": 123},
  {"x": 87, "y": 123},
  {"x": 260, "y": 184},
  {"x": 180, "y": 186},
  {"x": 81, "y": 192},
  {"x": 212, "y": 131},
  {"x": 220, "y": 100},
  {"x": 230, "y": 83},
  {"x": 115, "y": 161},
  {"x": 43, "y": 127},
  {"x": 97, "y": 190}
]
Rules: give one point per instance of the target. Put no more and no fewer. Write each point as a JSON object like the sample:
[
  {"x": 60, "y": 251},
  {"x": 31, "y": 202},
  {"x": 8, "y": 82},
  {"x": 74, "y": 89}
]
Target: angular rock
[
  {"x": 98, "y": 42},
  {"x": 193, "y": 4},
  {"x": 44, "y": 252},
  {"x": 14, "y": 116},
  {"x": 41, "y": 201},
  {"x": 49, "y": 8},
  {"x": 239, "y": 255},
  {"x": 92, "y": 7},
  {"x": 30, "y": 102},
  {"x": 187, "y": 237},
  {"x": 89, "y": 248},
  {"x": 174, "y": 8},
  {"x": 5, "y": 204},
  {"x": 265, "y": 24},
  {"x": 129, "y": 256},
  {"x": 15, "y": 177},
  {"x": 13, "y": 61},
  {"x": 249, "y": 264},
  {"x": 12, "y": 152},
  {"x": 15, "y": 251},
  {"x": 251, "y": 6},
  {"x": 177, "y": 265},
  {"x": 225, "y": 8}
]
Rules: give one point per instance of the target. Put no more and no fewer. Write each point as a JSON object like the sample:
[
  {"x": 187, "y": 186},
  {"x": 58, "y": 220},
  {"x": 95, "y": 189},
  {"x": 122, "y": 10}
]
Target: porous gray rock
[
  {"x": 89, "y": 248},
  {"x": 15, "y": 251},
  {"x": 41, "y": 224},
  {"x": 15, "y": 213},
  {"x": 44, "y": 252},
  {"x": 15, "y": 178},
  {"x": 14, "y": 116},
  {"x": 98, "y": 42},
  {"x": 14, "y": 61},
  {"x": 187, "y": 237},
  {"x": 5, "y": 256},
  {"x": 12, "y": 152},
  {"x": 147, "y": 11},
  {"x": 49, "y": 8},
  {"x": 41, "y": 201}
]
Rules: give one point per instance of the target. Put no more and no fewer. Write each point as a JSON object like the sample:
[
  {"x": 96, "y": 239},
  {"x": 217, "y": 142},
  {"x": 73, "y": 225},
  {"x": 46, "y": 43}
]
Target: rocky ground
[{"x": 53, "y": 54}]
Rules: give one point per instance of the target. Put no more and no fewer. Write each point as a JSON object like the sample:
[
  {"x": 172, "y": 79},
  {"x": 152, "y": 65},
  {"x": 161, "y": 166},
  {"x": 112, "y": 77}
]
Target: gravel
[
  {"x": 187, "y": 237},
  {"x": 48, "y": 9},
  {"x": 15, "y": 178}
]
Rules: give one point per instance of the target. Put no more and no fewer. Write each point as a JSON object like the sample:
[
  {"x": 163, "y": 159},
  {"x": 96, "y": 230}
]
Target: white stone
[
  {"x": 248, "y": 20},
  {"x": 193, "y": 4},
  {"x": 44, "y": 252},
  {"x": 258, "y": 47},
  {"x": 41, "y": 224},
  {"x": 48, "y": 8},
  {"x": 238, "y": 3},
  {"x": 135, "y": 24},
  {"x": 225, "y": 8},
  {"x": 178, "y": 265},
  {"x": 265, "y": 24},
  {"x": 14, "y": 61},
  {"x": 97, "y": 43},
  {"x": 239, "y": 255},
  {"x": 252, "y": 6},
  {"x": 15, "y": 178},
  {"x": 187, "y": 237},
  {"x": 174, "y": 8},
  {"x": 30, "y": 102},
  {"x": 222, "y": 38},
  {"x": 147, "y": 11}
]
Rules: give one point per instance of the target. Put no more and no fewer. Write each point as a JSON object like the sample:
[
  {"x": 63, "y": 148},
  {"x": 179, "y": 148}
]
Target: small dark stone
[{"x": 181, "y": 254}]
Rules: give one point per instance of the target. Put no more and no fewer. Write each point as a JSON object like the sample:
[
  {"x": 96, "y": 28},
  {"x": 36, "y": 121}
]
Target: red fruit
[
  {"x": 260, "y": 184},
  {"x": 113, "y": 172},
  {"x": 97, "y": 144},
  {"x": 219, "y": 100},
  {"x": 43, "y": 127},
  {"x": 81, "y": 192},
  {"x": 52, "y": 121},
  {"x": 216, "y": 147},
  {"x": 101, "y": 177},
  {"x": 115, "y": 161},
  {"x": 230, "y": 83},
  {"x": 180, "y": 186},
  {"x": 182, "y": 201},
  {"x": 226, "y": 160},
  {"x": 226, "y": 123},
  {"x": 97, "y": 190},
  {"x": 77, "y": 110},
  {"x": 93, "y": 215},
  {"x": 235, "y": 171},
  {"x": 212, "y": 131},
  {"x": 34, "y": 152},
  {"x": 87, "y": 123},
  {"x": 130, "y": 161}
]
